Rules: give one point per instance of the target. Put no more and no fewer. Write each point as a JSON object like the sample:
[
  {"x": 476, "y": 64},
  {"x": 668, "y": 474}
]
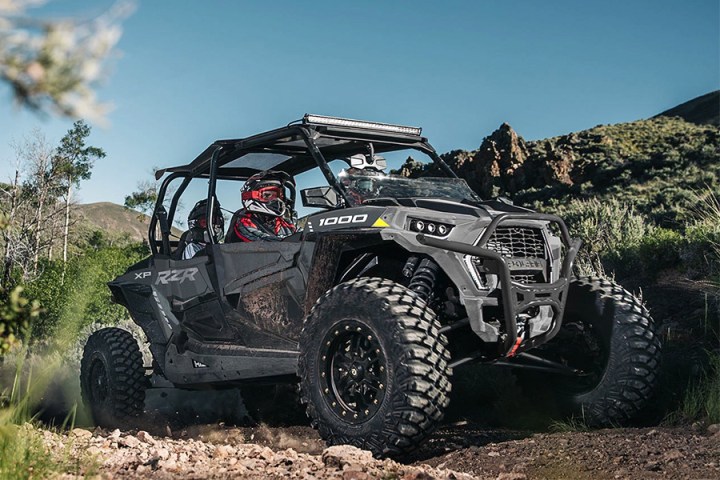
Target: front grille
[{"x": 521, "y": 243}]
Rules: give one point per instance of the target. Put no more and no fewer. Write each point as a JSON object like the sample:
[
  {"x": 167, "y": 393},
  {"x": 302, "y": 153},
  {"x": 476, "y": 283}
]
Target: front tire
[
  {"x": 608, "y": 334},
  {"x": 374, "y": 367},
  {"x": 112, "y": 377}
]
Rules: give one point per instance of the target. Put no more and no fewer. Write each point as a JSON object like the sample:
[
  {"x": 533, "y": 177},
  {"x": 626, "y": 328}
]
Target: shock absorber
[{"x": 423, "y": 280}]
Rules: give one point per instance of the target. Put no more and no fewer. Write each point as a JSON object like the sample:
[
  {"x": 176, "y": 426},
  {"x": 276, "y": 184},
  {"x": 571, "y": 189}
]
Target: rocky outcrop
[
  {"x": 506, "y": 164},
  {"x": 497, "y": 166}
]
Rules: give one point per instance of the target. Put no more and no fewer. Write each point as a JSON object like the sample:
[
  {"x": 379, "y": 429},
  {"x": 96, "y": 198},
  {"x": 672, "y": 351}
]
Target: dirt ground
[
  {"x": 604, "y": 454},
  {"x": 465, "y": 448}
]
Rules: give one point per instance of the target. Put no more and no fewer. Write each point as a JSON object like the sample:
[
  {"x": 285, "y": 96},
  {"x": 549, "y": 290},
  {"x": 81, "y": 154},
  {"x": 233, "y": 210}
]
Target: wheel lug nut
[
  {"x": 367, "y": 412},
  {"x": 358, "y": 329},
  {"x": 337, "y": 332},
  {"x": 322, "y": 374},
  {"x": 334, "y": 404},
  {"x": 328, "y": 344},
  {"x": 369, "y": 337},
  {"x": 344, "y": 413},
  {"x": 382, "y": 369},
  {"x": 347, "y": 327},
  {"x": 381, "y": 386},
  {"x": 327, "y": 390},
  {"x": 377, "y": 350},
  {"x": 324, "y": 357},
  {"x": 375, "y": 402},
  {"x": 355, "y": 416}
]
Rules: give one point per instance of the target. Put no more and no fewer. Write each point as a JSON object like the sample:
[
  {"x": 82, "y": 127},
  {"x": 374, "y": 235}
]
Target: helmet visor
[{"x": 264, "y": 194}]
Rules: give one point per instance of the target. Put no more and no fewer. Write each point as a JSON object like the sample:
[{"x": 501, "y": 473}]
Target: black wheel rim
[
  {"x": 353, "y": 371},
  {"x": 99, "y": 388}
]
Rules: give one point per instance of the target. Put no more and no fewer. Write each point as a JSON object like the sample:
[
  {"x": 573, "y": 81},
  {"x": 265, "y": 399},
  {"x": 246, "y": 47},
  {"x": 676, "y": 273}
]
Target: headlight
[{"x": 428, "y": 227}]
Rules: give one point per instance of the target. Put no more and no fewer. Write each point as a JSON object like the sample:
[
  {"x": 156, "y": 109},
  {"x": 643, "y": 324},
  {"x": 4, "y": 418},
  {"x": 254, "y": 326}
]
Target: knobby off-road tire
[
  {"x": 621, "y": 338},
  {"x": 374, "y": 368},
  {"x": 112, "y": 377}
]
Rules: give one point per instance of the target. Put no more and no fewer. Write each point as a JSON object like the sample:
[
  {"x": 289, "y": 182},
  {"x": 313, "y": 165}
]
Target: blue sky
[{"x": 191, "y": 72}]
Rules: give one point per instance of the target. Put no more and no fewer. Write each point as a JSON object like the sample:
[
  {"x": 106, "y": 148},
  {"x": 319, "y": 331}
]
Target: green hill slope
[{"x": 114, "y": 220}]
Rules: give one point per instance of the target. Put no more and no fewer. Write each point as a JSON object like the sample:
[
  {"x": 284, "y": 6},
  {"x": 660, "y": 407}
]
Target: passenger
[
  {"x": 266, "y": 214},
  {"x": 196, "y": 237}
]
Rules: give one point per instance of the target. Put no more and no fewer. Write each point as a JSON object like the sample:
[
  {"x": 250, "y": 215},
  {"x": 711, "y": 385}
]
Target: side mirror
[{"x": 320, "y": 197}]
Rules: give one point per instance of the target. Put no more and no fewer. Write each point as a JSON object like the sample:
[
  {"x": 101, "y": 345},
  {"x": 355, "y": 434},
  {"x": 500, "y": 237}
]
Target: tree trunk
[
  {"x": 66, "y": 230},
  {"x": 38, "y": 230},
  {"x": 8, "y": 261}
]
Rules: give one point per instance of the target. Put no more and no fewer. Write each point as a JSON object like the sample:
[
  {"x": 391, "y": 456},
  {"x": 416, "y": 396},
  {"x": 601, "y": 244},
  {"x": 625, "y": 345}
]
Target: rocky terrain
[{"x": 459, "y": 451}]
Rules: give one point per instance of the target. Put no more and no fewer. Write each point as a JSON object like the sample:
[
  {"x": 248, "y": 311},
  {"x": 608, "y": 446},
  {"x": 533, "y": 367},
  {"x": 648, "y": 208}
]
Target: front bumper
[{"x": 518, "y": 297}]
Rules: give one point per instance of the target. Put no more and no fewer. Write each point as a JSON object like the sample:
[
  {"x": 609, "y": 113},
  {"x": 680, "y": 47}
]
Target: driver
[
  {"x": 359, "y": 183},
  {"x": 266, "y": 214}
]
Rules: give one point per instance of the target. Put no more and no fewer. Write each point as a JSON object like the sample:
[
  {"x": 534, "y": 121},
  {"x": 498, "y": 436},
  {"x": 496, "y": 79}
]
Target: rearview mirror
[
  {"x": 368, "y": 161},
  {"x": 320, "y": 197}
]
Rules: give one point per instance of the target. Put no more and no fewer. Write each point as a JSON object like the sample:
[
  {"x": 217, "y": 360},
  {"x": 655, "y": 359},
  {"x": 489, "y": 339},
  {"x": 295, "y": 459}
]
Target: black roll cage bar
[{"x": 223, "y": 152}]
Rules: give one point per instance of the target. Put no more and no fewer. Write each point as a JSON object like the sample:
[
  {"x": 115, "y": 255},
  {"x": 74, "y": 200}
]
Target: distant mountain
[{"x": 702, "y": 110}]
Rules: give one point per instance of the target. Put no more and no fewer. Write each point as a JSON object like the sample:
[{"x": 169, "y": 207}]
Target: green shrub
[
  {"x": 608, "y": 229},
  {"x": 83, "y": 297},
  {"x": 701, "y": 250},
  {"x": 16, "y": 312},
  {"x": 659, "y": 250}
]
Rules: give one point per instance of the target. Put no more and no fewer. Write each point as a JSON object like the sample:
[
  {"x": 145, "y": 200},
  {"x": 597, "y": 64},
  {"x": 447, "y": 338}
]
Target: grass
[
  {"x": 23, "y": 450},
  {"x": 576, "y": 423},
  {"x": 701, "y": 401},
  {"x": 22, "y": 453}
]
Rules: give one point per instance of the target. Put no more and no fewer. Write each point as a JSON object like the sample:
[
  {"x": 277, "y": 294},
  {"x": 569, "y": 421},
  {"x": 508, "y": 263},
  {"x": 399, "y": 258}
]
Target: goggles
[
  {"x": 264, "y": 194},
  {"x": 202, "y": 222}
]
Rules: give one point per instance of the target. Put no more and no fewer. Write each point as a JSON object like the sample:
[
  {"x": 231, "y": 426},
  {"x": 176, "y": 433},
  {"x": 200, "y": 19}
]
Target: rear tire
[
  {"x": 608, "y": 334},
  {"x": 112, "y": 377},
  {"x": 374, "y": 367}
]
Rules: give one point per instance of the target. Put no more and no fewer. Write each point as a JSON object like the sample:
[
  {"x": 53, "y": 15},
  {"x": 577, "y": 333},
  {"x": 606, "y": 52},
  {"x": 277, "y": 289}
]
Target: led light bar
[{"x": 346, "y": 122}]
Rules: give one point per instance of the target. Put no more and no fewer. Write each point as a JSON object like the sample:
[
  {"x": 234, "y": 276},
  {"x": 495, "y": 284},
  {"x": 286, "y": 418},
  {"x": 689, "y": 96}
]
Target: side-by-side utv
[{"x": 391, "y": 284}]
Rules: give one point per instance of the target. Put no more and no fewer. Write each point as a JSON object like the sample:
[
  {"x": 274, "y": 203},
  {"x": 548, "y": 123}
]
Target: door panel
[{"x": 262, "y": 283}]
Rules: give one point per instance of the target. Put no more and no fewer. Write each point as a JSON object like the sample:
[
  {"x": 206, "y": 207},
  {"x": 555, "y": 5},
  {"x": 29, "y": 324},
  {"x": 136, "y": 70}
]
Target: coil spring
[{"x": 423, "y": 280}]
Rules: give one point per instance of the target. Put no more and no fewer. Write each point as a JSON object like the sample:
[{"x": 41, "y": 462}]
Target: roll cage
[{"x": 295, "y": 148}]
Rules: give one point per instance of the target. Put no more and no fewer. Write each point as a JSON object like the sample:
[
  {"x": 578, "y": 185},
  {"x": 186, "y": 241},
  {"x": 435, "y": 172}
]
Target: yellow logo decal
[{"x": 380, "y": 223}]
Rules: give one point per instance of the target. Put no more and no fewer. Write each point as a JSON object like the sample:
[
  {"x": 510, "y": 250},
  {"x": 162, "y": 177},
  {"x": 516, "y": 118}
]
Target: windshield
[{"x": 364, "y": 185}]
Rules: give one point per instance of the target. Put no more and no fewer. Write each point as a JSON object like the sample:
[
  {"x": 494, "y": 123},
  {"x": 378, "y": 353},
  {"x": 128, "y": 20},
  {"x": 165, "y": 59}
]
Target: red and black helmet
[{"x": 265, "y": 193}]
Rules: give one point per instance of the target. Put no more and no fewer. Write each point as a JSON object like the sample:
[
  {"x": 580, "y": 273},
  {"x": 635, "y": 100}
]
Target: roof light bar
[{"x": 346, "y": 122}]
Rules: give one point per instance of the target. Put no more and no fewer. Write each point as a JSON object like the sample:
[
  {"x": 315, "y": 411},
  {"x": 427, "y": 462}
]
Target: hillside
[
  {"x": 114, "y": 220},
  {"x": 654, "y": 164}
]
